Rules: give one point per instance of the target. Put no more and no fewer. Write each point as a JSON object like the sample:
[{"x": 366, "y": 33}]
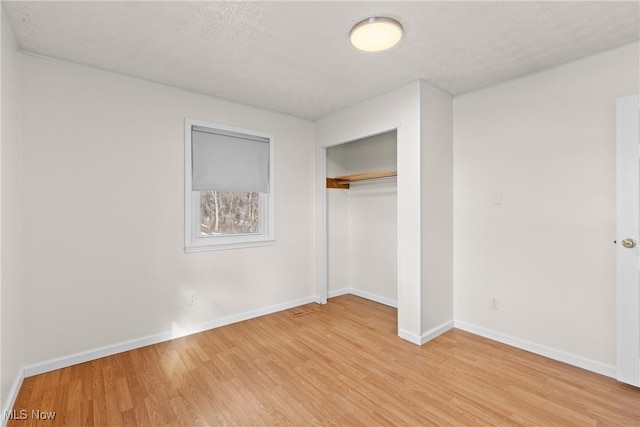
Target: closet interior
[{"x": 362, "y": 218}]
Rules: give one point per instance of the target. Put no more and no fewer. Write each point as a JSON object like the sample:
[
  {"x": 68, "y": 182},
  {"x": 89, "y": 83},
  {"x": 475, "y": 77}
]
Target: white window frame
[{"x": 194, "y": 241}]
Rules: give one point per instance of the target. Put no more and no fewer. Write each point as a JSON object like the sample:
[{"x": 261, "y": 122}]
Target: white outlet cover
[{"x": 193, "y": 298}]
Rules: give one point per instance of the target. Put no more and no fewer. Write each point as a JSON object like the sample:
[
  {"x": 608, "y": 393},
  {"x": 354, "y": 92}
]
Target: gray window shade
[{"x": 229, "y": 161}]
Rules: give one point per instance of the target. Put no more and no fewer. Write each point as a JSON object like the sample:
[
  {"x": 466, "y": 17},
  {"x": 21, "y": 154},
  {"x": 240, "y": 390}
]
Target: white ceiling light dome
[{"x": 376, "y": 34}]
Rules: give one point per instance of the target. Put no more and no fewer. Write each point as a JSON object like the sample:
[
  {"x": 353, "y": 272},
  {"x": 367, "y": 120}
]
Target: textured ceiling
[{"x": 295, "y": 57}]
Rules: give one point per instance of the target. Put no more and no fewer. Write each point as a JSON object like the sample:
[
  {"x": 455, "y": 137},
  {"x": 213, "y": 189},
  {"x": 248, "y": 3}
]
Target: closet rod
[{"x": 343, "y": 181}]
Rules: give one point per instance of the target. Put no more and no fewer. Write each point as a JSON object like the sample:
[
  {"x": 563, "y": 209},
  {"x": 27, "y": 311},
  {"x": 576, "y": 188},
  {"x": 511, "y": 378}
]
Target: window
[{"x": 228, "y": 187}]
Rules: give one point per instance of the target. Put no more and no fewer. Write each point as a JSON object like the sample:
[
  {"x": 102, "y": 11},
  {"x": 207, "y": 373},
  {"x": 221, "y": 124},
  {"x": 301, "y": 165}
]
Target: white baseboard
[
  {"x": 560, "y": 356},
  {"x": 11, "y": 397},
  {"x": 373, "y": 297},
  {"x": 74, "y": 359},
  {"x": 338, "y": 292},
  {"x": 365, "y": 295},
  {"x": 410, "y": 336},
  {"x": 427, "y": 336},
  {"x": 435, "y": 332}
]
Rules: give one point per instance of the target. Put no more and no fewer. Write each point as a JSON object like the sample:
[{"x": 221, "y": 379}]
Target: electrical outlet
[
  {"x": 193, "y": 298},
  {"x": 494, "y": 303}
]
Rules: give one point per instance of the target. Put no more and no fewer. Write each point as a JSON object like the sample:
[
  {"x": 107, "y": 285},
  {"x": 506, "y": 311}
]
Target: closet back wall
[
  {"x": 104, "y": 214},
  {"x": 362, "y": 221}
]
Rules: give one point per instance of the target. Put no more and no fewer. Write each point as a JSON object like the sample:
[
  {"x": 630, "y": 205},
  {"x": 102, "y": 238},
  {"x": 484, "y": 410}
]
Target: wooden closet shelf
[{"x": 343, "y": 181}]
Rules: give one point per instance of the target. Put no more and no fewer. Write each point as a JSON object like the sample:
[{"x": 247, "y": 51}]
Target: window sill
[{"x": 226, "y": 246}]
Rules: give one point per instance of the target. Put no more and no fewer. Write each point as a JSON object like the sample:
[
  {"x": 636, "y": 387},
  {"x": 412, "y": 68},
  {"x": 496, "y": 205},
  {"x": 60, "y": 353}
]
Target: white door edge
[{"x": 628, "y": 226}]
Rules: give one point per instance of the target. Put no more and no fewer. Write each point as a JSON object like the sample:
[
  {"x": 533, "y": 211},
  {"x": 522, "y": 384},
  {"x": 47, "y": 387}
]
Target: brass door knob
[{"x": 629, "y": 243}]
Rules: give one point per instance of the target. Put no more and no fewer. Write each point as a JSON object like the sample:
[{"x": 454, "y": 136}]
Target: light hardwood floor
[{"x": 338, "y": 364}]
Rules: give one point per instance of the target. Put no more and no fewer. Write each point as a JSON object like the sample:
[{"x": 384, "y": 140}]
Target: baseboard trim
[
  {"x": 427, "y": 336},
  {"x": 338, "y": 292},
  {"x": 410, "y": 336},
  {"x": 12, "y": 396},
  {"x": 436, "y": 332},
  {"x": 560, "y": 356},
  {"x": 374, "y": 297},
  {"x": 74, "y": 359},
  {"x": 363, "y": 294}
]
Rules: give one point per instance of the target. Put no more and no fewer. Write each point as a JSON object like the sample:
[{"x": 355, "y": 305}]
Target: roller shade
[{"x": 229, "y": 161}]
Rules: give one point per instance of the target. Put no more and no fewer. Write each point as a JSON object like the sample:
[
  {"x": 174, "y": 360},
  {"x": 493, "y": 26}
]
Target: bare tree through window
[{"x": 229, "y": 212}]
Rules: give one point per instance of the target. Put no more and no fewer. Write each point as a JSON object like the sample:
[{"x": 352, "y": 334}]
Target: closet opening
[{"x": 362, "y": 219}]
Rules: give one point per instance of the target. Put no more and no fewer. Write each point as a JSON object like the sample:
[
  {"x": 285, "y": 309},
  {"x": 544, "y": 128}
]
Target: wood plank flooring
[{"x": 338, "y": 364}]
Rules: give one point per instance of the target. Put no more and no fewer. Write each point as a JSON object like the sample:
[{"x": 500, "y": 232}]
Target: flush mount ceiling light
[{"x": 376, "y": 34}]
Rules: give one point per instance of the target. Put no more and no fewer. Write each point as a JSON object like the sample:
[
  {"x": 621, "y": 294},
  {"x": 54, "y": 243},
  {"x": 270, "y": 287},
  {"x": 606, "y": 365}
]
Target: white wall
[
  {"x": 11, "y": 266},
  {"x": 373, "y": 219},
  {"x": 547, "y": 144},
  {"x": 362, "y": 221},
  {"x": 436, "y": 110},
  {"x": 104, "y": 180},
  {"x": 373, "y": 236}
]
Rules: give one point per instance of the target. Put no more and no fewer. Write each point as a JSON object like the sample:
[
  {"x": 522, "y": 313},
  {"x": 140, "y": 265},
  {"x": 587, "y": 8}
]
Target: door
[{"x": 627, "y": 238}]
